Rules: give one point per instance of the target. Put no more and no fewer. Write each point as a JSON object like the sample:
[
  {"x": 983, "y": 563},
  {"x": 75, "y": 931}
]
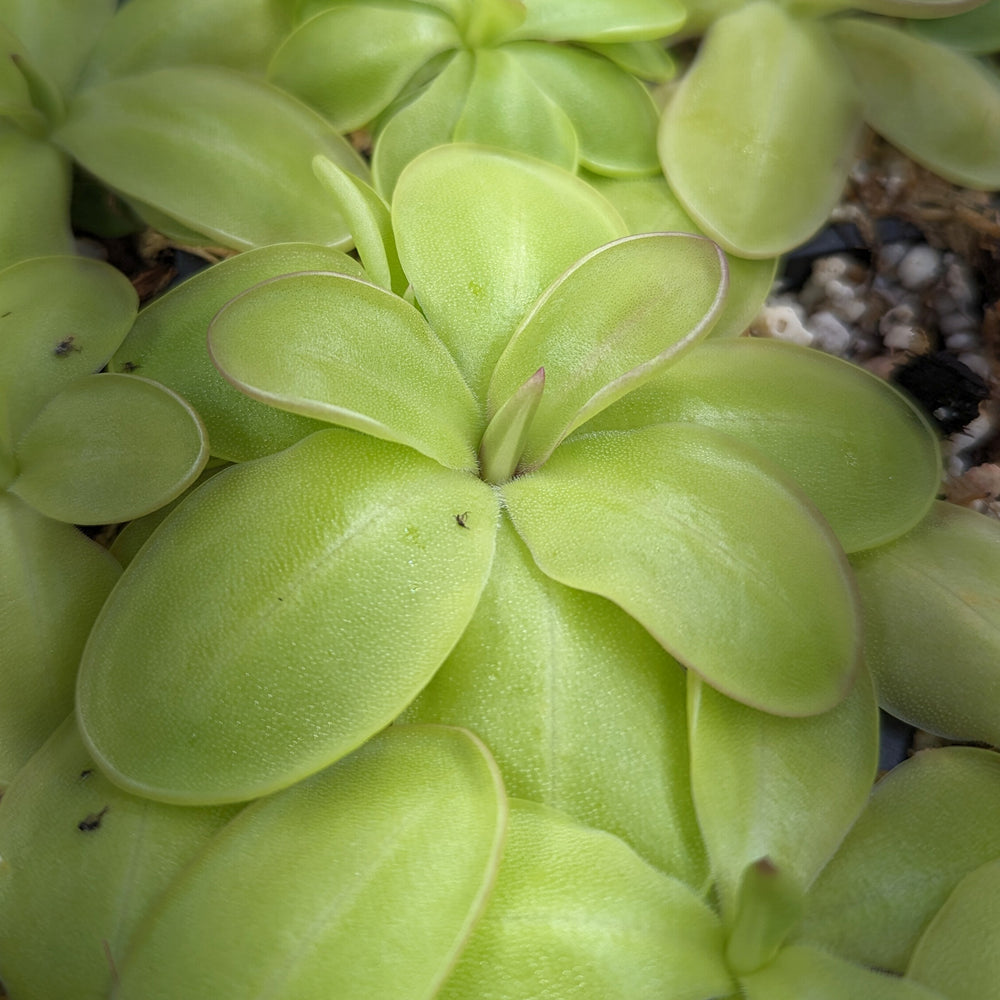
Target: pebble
[
  {"x": 920, "y": 268},
  {"x": 782, "y": 322},
  {"x": 829, "y": 333}
]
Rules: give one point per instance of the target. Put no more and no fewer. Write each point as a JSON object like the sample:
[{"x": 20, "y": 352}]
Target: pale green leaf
[
  {"x": 600, "y": 21},
  {"x": 958, "y": 953},
  {"x": 343, "y": 350},
  {"x": 168, "y": 344},
  {"x": 60, "y": 318},
  {"x": 250, "y": 185},
  {"x": 939, "y": 106},
  {"x": 53, "y": 581},
  {"x": 705, "y": 543},
  {"x": 82, "y": 863},
  {"x": 352, "y": 60},
  {"x": 364, "y": 881},
  {"x": 931, "y": 604},
  {"x": 784, "y": 789},
  {"x": 504, "y": 107},
  {"x": 613, "y": 114},
  {"x": 284, "y": 613},
  {"x": 582, "y": 709},
  {"x": 758, "y": 137},
  {"x": 976, "y": 31},
  {"x": 109, "y": 448},
  {"x": 576, "y": 913},
  {"x": 930, "y": 821},
  {"x": 862, "y": 452},
  {"x": 606, "y": 326},
  {"x": 646, "y": 60},
  {"x": 936, "y": 9},
  {"x": 481, "y": 234}
]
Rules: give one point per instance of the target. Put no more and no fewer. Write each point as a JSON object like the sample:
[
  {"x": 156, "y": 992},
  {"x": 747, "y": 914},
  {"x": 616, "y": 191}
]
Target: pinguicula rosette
[{"x": 548, "y": 409}]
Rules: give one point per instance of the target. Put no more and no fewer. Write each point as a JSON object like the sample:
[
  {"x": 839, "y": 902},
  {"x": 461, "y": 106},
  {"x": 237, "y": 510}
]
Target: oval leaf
[
  {"x": 288, "y": 610},
  {"x": 595, "y": 21},
  {"x": 707, "y": 545}
]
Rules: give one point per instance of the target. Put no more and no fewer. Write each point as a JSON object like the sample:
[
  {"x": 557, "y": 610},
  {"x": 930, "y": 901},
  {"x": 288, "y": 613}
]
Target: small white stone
[
  {"x": 920, "y": 267},
  {"x": 782, "y": 322},
  {"x": 964, "y": 340},
  {"x": 829, "y": 333},
  {"x": 958, "y": 281},
  {"x": 891, "y": 254},
  {"x": 956, "y": 322}
]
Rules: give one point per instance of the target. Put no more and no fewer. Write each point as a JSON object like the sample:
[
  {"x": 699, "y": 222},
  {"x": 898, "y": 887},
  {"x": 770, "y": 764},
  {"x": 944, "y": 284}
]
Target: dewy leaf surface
[
  {"x": 582, "y": 708},
  {"x": 705, "y": 544},
  {"x": 82, "y": 863},
  {"x": 939, "y": 106},
  {"x": 596, "y": 21},
  {"x": 757, "y": 140},
  {"x": 576, "y": 913},
  {"x": 859, "y": 449},
  {"x": 366, "y": 881},
  {"x": 251, "y": 185},
  {"x": 109, "y": 448},
  {"x": 481, "y": 234},
  {"x": 168, "y": 343},
  {"x": 607, "y": 325},
  {"x": 784, "y": 789},
  {"x": 284, "y": 613},
  {"x": 344, "y": 350}
]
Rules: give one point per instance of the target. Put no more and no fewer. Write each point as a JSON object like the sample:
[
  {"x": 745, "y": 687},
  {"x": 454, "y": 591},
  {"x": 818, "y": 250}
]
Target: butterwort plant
[{"x": 513, "y": 362}]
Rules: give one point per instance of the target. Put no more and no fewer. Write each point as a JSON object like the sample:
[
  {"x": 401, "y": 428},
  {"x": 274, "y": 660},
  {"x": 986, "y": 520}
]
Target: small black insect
[
  {"x": 92, "y": 822},
  {"x": 5, "y": 315},
  {"x": 86, "y": 773},
  {"x": 460, "y": 519},
  {"x": 65, "y": 347},
  {"x": 129, "y": 367}
]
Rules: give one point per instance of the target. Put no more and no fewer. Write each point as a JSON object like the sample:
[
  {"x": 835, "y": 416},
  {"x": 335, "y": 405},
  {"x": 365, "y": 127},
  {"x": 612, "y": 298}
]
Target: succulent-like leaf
[
  {"x": 168, "y": 344},
  {"x": 803, "y": 973},
  {"x": 957, "y": 954},
  {"x": 594, "y": 21},
  {"x": 757, "y": 140},
  {"x": 367, "y": 879},
  {"x": 608, "y": 324},
  {"x": 481, "y": 234},
  {"x": 504, "y": 107},
  {"x": 936, "y": 9},
  {"x": 582, "y": 709},
  {"x": 82, "y": 862},
  {"x": 60, "y": 318},
  {"x": 705, "y": 543},
  {"x": 976, "y": 31},
  {"x": 53, "y": 581},
  {"x": 343, "y": 350},
  {"x": 614, "y": 116},
  {"x": 288, "y": 610},
  {"x": 109, "y": 448},
  {"x": 576, "y": 912},
  {"x": 957, "y": 130},
  {"x": 506, "y": 433},
  {"x": 252, "y": 184},
  {"x": 645, "y": 60},
  {"x": 861, "y": 451},
  {"x": 931, "y": 604},
  {"x": 352, "y": 60},
  {"x": 930, "y": 821},
  {"x": 784, "y": 789}
]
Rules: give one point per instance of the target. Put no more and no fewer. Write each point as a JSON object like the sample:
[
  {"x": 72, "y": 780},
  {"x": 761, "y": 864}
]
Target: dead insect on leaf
[
  {"x": 92, "y": 822},
  {"x": 65, "y": 347},
  {"x": 86, "y": 773},
  {"x": 460, "y": 519},
  {"x": 129, "y": 367}
]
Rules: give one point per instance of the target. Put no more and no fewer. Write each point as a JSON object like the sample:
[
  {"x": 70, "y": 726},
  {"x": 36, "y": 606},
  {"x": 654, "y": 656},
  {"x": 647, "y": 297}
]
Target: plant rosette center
[{"x": 542, "y": 374}]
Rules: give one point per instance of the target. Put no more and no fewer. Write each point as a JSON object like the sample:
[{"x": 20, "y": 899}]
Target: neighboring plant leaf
[
  {"x": 346, "y": 351},
  {"x": 607, "y": 325},
  {"x": 596, "y": 21},
  {"x": 976, "y": 31},
  {"x": 504, "y": 107},
  {"x": 930, "y": 821},
  {"x": 83, "y": 861},
  {"x": 804, "y": 973},
  {"x": 368, "y": 220},
  {"x": 284, "y": 613},
  {"x": 768, "y": 101},
  {"x": 957, "y": 131},
  {"x": 576, "y": 911},
  {"x": 706, "y": 544},
  {"x": 937, "y": 9},
  {"x": 367, "y": 879},
  {"x": 53, "y": 581},
  {"x": 614, "y": 116},
  {"x": 168, "y": 344},
  {"x": 957, "y": 954},
  {"x": 583, "y": 710},
  {"x": 109, "y": 448},
  {"x": 645, "y": 60},
  {"x": 352, "y": 60},
  {"x": 784, "y": 789},
  {"x": 931, "y": 603},
  {"x": 60, "y": 318},
  {"x": 478, "y": 263},
  {"x": 860, "y": 450},
  {"x": 145, "y": 136}
]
